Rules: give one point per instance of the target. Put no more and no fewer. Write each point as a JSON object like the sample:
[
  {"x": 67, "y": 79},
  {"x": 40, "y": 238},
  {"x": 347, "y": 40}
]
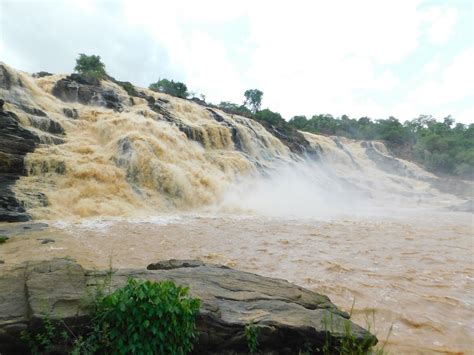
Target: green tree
[
  {"x": 170, "y": 87},
  {"x": 253, "y": 99},
  {"x": 269, "y": 116},
  {"x": 90, "y": 65},
  {"x": 299, "y": 122}
]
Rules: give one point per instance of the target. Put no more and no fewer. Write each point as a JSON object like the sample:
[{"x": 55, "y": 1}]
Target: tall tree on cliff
[
  {"x": 90, "y": 65},
  {"x": 253, "y": 99}
]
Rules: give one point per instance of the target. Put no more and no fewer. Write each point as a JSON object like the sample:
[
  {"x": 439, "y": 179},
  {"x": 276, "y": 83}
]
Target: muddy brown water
[{"x": 411, "y": 273}]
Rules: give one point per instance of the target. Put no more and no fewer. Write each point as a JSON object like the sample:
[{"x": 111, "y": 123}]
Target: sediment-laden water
[{"x": 412, "y": 273}]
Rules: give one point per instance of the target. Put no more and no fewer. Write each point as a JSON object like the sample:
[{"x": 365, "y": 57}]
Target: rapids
[{"x": 129, "y": 188}]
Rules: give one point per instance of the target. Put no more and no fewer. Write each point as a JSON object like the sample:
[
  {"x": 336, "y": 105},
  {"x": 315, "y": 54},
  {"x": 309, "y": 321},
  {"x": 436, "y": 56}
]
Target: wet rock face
[
  {"x": 5, "y": 78},
  {"x": 15, "y": 143},
  {"x": 70, "y": 113},
  {"x": 293, "y": 139},
  {"x": 41, "y": 74},
  {"x": 289, "y": 318},
  {"x": 87, "y": 91}
]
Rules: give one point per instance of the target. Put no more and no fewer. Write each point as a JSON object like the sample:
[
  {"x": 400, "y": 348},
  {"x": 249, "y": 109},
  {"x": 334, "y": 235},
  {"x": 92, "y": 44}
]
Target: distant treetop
[
  {"x": 170, "y": 87},
  {"x": 253, "y": 99},
  {"x": 90, "y": 65}
]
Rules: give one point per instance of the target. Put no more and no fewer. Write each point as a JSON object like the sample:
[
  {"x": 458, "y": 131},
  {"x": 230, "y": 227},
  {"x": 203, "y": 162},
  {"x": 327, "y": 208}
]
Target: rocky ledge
[
  {"x": 290, "y": 318},
  {"x": 15, "y": 143}
]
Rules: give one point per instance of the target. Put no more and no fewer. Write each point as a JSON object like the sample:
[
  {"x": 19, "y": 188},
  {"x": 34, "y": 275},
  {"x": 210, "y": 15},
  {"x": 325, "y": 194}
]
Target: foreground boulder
[{"x": 290, "y": 318}]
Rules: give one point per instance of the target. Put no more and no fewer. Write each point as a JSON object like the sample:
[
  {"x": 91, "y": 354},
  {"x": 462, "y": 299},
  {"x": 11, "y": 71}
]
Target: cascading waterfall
[{"x": 186, "y": 156}]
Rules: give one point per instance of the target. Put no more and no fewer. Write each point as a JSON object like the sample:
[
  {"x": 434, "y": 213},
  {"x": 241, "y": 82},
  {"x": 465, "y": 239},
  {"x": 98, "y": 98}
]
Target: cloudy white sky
[{"x": 376, "y": 58}]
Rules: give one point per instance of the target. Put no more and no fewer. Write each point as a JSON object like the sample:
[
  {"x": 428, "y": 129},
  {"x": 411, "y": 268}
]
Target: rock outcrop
[
  {"x": 87, "y": 91},
  {"x": 289, "y": 318},
  {"x": 15, "y": 143}
]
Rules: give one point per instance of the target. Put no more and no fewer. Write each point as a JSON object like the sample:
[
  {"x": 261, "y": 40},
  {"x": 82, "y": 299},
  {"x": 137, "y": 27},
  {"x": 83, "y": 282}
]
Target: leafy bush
[
  {"x": 146, "y": 317},
  {"x": 90, "y": 65},
  {"x": 251, "y": 335},
  {"x": 128, "y": 87},
  {"x": 50, "y": 337},
  {"x": 170, "y": 87},
  {"x": 3, "y": 239},
  {"x": 270, "y": 117}
]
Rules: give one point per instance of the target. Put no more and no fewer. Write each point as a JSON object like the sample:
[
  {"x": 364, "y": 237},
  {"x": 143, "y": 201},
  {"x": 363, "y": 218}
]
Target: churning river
[{"x": 409, "y": 273}]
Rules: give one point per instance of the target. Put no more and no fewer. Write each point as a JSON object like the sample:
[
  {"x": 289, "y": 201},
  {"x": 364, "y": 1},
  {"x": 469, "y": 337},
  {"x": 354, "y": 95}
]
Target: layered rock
[
  {"x": 289, "y": 318},
  {"x": 15, "y": 143},
  {"x": 87, "y": 91}
]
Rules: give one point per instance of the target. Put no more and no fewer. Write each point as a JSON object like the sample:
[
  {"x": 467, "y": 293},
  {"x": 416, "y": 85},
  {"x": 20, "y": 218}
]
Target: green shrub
[
  {"x": 251, "y": 334},
  {"x": 170, "y": 87},
  {"x": 90, "y": 65},
  {"x": 3, "y": 239},
  {"x": 50, "y": 337},
  {"x": 145, "y": 317}
]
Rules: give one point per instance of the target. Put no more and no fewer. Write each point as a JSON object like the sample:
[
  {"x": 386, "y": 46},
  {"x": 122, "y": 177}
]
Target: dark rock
[
  {"x": 70, "y": 113},
  {"x": 15, "y": 143},
  {"x": 16, "y": 229},
  {"x": 46, "y": 124},
  {"x": 289, "y": 317},
  {"x": 84, "y": 79},
  {"x": 174, "y": 264},
  {"x": 216, "y": 116},
  {"x": 46, "y": 240},
  {"x": 2, "y": 102},
  {"x": 292, "y": 138},
  {"x": 2, "y": 261},
  {"x": 199, "y": 101},
  {"x": 5, "y": 78},
  {"x": 87, "y": 91},
  {"x": 41, "y": 74},
  {"x": 159, "y": 106},
  {"x": 151, "y": 100},
  {"x": 32, "y": 110}
]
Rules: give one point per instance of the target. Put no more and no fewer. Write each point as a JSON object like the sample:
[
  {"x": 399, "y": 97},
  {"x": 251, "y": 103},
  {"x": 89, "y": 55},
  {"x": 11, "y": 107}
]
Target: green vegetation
[
  {"x": 251, "y": 335},
  {"x": 349, "y": 344},
  {"x": 3, "y": 239},
  {"x": 170, "y": 87},
  {"x": 147, "y": 317},
  {"x": 142, "y": 317},
  {"x": 128, "y": 87},
  {"x": 253, "y": 99},
  {"x": 442, "y": 147},
  {"x": 91, "y": 66},
  {"x": 235, "y": 109}
]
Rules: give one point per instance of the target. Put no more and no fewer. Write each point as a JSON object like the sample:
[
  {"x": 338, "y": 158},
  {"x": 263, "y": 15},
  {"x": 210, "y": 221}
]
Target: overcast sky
[{"x": 360, "y": 58}]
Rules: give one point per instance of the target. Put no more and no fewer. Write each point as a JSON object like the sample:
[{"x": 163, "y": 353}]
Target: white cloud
[
  {"x": 456, "y": 83},
  {"x": 339, "y": 57},
  {"x": 441, "y": 22},
  {"x": 444, "y": 93},
  {"x": 433, "y": 66}
]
